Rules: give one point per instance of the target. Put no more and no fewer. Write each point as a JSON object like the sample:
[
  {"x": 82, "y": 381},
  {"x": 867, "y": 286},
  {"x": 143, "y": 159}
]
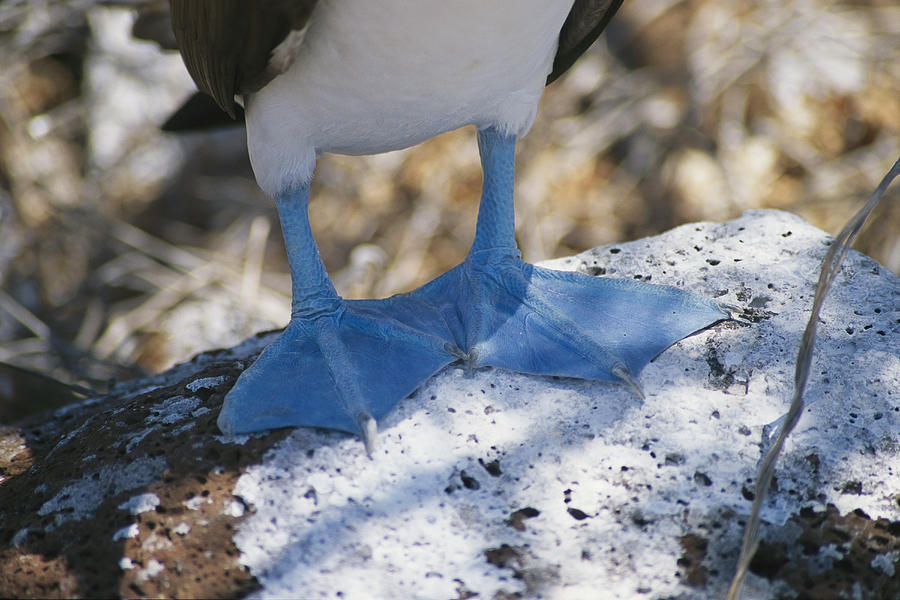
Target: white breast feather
[{"x": 378, "y": 76}]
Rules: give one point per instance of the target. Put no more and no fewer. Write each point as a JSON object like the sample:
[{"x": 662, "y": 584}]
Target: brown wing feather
[
  {"x": 226, "y": 44},
  {"x": 585, "y": 23}
]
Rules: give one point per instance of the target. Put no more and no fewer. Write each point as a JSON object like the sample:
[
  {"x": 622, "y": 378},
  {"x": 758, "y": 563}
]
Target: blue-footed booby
[{"x": 368, "y": 76}]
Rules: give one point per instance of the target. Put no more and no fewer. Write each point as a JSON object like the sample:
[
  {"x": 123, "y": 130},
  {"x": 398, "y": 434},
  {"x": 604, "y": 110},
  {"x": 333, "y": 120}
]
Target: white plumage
[{"x": 377, "y": 76}]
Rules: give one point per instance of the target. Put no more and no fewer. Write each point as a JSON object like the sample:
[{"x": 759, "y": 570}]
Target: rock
[{"x": 495, "y": 484}]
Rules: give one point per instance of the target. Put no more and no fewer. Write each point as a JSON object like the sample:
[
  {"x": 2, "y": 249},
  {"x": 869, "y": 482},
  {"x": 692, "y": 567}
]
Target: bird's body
[
  {"x": 364, "y": 76},
  {"x": 376, "y": 76}
]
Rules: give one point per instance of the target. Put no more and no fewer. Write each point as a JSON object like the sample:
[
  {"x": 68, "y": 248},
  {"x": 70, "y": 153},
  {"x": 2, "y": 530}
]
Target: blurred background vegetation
[{"x": 124, "y": 250}]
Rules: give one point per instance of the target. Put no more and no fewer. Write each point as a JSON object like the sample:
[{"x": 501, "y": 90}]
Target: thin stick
[
  {"x": 24, "y": 316},
  {"x": 830, "y": 268}
]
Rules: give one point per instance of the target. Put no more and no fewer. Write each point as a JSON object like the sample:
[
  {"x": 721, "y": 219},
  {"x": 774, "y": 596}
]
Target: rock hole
[
  {"x": 469, "y": 482},
  {"x": 578, "y": 515},
  {"x": 492, "y": 467}
]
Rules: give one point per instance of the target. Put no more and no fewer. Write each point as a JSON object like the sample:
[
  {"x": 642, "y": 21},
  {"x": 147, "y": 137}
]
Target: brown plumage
[{"x": 227, "y": 44}]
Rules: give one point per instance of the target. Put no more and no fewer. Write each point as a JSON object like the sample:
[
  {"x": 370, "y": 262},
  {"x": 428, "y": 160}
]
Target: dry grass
[{"x": 123, "y": 250}]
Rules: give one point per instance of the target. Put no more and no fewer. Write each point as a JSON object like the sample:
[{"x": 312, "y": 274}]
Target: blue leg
[
  {"x": 338, "y": 364},
  {"x": 510, "y": 314}
]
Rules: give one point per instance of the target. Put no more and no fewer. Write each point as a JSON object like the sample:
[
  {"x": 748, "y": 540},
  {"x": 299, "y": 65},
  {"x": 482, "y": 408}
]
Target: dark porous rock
[{"x": 127, "y": 495}]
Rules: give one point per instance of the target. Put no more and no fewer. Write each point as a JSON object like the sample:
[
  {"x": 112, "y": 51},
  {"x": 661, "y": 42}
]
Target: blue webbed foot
[
  {"x": 338, "y": 364},
  {"x": 517, "y": 316},
  {"x": 509, "y": 314},
  {"x": 339, "y": 371}
]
